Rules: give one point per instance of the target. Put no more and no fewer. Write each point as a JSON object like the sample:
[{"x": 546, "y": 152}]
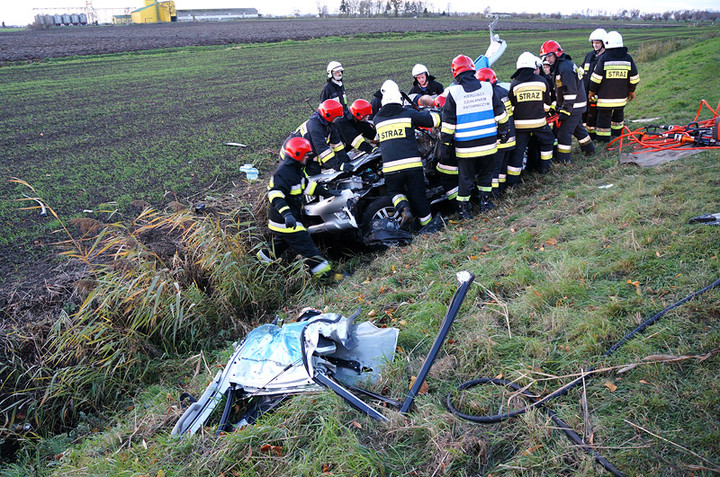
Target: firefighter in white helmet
[
  {"x": 529, "y": 94},
  {"x": 424, "y": 85},
  {"x": 335, "y": 87},
  {"x": 598, "y": 48},
  {"x": 613, "y": 84}
]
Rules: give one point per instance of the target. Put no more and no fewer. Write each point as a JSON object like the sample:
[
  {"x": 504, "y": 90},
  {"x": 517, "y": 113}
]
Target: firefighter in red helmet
[
  {"x": 328, "y": 149},
  {"x": 473, "y": 119},
  {"x": 571, "y": 101},
  {"x": 356, "y": 131},
  {"x": 285, "y": 194}
]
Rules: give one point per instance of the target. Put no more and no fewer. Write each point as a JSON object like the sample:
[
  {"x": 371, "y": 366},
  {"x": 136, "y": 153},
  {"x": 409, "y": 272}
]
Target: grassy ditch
[{"x": 563, "y": 268}]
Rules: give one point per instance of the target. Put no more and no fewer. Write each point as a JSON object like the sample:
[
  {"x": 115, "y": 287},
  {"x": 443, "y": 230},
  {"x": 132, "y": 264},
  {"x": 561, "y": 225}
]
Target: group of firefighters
[{"x": 488, "y": 134}]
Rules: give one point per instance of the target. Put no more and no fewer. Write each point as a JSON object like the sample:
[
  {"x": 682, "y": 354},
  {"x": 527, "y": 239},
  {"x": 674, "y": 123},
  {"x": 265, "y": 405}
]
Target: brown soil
[{"x": 35, "y": 45}]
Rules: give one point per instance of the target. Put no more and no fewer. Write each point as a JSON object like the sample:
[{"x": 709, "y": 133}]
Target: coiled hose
[{"x": 535, "y": 402}]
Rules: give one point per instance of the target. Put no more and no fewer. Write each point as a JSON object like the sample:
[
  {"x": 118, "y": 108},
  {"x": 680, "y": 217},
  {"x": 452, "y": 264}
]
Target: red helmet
[
  {"x": 297, "y": 147},
  {"x": 551, "y": 46},
  {"x": 360, "y": 108},
  {"x": 330, "y": 109},
  {"x": 461, "y": 63},
  {"x": 439, "y": 102},
  {"x": 486, "y": 74}
]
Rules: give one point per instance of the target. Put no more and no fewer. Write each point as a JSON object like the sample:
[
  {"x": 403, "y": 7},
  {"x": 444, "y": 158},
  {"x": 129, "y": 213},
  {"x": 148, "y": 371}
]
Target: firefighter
[
  {"x": 425, "y": 88},
  {"x": 402, "y": 164},
  {"x": 571, "y": 101},
  {"x": 505, "y": 146},
  {"x": 327, "y": 146},
  {"x": 334, "y": 87},
  {"x": 285, "y": 192},
  {"x": 472, "y": 120},
  {"x": 530, "y": 96},
  {"x": 598, "y": 48},
  {"x": 447, "y": 165},
  {"x": 355, "y": 129},
  {"x": 613, "y": 84}
]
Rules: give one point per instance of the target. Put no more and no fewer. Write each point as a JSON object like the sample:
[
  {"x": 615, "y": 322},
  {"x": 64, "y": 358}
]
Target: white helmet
[
  {"x": 528, "y": 60},
  {"x": 613, "y": 40},
  {"x": 597, "y": 35},
  {"x": 390, "y": 93},
  {"x": 333, "y": 66},
  {"x": 419, "y": 69}
]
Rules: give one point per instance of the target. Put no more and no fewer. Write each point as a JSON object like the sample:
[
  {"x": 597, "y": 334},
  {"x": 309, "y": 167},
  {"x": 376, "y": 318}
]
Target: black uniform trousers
[
  {"x": 472, "y": 169},
  {"x": 569, "y": 127},
  {"x": 300, "y": 242},
  {"x": 609, "y": 123},
  {"x": 537, "y": 162},
  {"x": 589, "y": 118},
  {"x": 409, "y": 183}
]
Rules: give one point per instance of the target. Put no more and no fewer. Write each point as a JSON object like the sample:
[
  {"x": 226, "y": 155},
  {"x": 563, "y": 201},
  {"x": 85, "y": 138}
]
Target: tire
[{"x": 378, "y": 208}]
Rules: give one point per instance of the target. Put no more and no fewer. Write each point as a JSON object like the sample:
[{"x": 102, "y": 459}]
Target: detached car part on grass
[{"x": 322, "y": 350}]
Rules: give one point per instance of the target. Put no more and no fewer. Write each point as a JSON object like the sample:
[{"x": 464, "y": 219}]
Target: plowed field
[{"x": 34, "y": 45}]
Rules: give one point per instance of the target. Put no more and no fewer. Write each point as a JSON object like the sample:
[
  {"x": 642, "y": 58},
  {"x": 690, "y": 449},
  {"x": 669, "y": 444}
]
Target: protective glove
[
  {"x": 290, "y": 221},
  {"x": 592, "y": 98},
  {"x": 444, "y": 152},
  {"x": 346, "y": 167},
  {"x": 631, "y": 96},
  {"x": 503, "y": 134},
  {"x": 562, "y": 116}
]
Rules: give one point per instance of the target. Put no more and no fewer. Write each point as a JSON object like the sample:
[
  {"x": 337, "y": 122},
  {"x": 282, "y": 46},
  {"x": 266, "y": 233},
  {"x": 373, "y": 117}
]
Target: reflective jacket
[
  {"x": 356, "y": 134},
  {"x": 591, "y": 60},
  {"x": 285, "y": 193},
  {"x": 530, "y": 96},
  {"x": 335, "y": 91},
  {"x": 327, "y": 146},
  {"x": 614, "y": 77},
  {"x": 395, "y": 126},
  {"x": 502, "y": 93},
  {"x": 472, "y": 116},
  {"x": 569, "y": 90}
]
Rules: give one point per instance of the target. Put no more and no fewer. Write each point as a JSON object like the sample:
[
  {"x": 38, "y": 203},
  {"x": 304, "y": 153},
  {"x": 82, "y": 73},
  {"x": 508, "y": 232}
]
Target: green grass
[{"x": 552, "y": 262}]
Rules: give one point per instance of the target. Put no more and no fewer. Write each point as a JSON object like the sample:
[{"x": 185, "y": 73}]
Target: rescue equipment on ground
[{"x": 652, "y": 138}]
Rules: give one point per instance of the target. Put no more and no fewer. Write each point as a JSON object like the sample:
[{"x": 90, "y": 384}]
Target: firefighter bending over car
[
  {"x": 285, "y": 194},
  {"x": 328, "y": 150},
  {"x": 530, "y": 96},
  {"x": 356, "y": 131},
  {"x": 402, "y": 164}
]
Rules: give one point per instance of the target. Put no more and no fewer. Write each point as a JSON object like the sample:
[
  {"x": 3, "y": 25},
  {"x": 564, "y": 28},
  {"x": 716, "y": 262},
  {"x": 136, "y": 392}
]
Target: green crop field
[{"x": 564, "y": 269}]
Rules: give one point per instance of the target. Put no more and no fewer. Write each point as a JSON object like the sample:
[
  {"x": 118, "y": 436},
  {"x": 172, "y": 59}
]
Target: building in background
[
  {"x": 155, "y": 11},
  {"x": 216, "y": 14}
]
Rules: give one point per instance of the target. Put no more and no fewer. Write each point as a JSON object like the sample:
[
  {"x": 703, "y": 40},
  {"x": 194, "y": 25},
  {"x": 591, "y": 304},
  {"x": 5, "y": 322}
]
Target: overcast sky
[{"x": 20, "y": 12}]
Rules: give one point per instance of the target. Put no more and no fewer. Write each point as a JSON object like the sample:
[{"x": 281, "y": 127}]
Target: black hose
[{"x": 572, "y": 435}]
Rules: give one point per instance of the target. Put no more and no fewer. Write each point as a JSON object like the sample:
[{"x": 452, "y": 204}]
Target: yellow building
[{"x": 155, "y": 11}]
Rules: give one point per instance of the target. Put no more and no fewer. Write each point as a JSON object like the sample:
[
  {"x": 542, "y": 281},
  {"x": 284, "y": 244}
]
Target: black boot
[
  {"x": 406, "y": 216},
  {"x": 486, "y": 202},
  {"x": 464, "y": 210}
]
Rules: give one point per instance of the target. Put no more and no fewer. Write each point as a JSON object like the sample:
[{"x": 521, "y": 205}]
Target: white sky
[{"x": 20, "y": 12}]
